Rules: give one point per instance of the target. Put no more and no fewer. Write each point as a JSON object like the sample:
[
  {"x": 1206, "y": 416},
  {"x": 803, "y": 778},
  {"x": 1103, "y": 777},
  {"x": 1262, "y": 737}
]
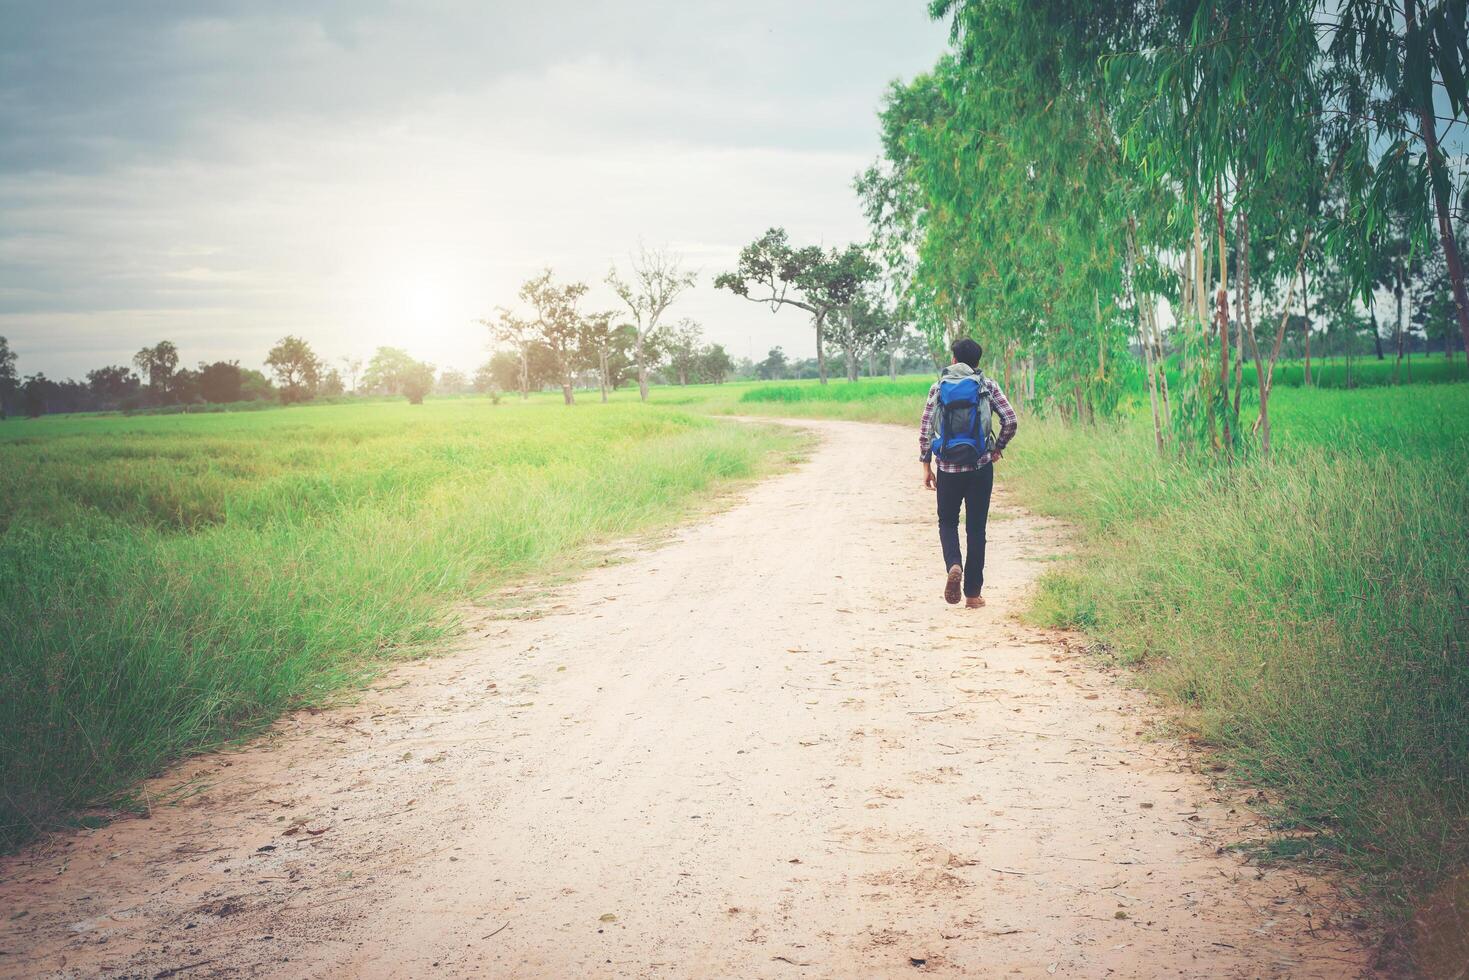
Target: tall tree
[
  {"x": 1394, "y": 60},
  {"x": 714, "y": 364},
  {"x": 386, "y": 370},
  {"x": 599, "y": 340},
  {"x": 221, "y": 382},
  {"x": 682, "y": 346},
  {"x": 416, "y": 380},
  {"x": 112, "y": 385},
  {"x": 157, "y": 364},
  {"x": 558, "y": 323},
  {"x": 772, "y": 272},
  {"x": 519, "y": 334},
  {"x": 297, "y": 369},
  {"x": 352, "y": 368},
  {"x": 656, "y": 279},
  {"x": 9, "y": 380}
]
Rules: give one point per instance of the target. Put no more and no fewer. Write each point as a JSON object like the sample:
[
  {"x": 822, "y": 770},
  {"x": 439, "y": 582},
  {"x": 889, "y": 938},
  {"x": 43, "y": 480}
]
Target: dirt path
[{"x": 764, "y": 749}]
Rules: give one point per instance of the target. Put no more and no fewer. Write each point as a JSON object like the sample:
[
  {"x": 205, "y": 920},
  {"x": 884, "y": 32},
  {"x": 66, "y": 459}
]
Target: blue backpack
[{"x": 962, "y": 420}]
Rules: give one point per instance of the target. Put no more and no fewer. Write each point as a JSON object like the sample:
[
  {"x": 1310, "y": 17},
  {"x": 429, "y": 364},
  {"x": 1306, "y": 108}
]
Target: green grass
[
  {"x": 1310, "y": 613},
  {"x": 1366, "y": 372},
  {"x": 170, "y": 583}
]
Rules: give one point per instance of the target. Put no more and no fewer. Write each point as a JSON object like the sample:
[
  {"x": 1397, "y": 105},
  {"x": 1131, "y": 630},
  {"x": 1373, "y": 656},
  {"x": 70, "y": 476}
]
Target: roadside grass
[
  {"x": 1363, "y": 372},
  {"x": 1309, "y": 613},
  {"x": 171, "y": 583}
]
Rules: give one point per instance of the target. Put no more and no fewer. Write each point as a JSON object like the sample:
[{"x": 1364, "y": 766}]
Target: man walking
[{"x": 955, "y": 428}]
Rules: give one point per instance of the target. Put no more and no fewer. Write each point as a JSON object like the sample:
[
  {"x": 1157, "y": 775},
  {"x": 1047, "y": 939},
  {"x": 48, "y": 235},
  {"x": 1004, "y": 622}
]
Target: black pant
[{"x": 973, "y": 491}]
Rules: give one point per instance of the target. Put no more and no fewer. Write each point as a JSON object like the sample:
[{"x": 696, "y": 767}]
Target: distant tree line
[
  {"x": 550, "y": 340},
  {"x": 154, "y": 381}
]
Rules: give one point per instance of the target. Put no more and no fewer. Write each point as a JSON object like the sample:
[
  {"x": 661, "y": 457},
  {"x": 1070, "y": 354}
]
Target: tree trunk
[
  {"x": 1376, "y": 336},
  {"x": 642, "y": 369},
  {"x": 602, "y": 361},
  {"x": 1435, "y": 158},
  {"x": 1201, "y": 300},
  {"x": 1245, "y": 318},
  {"x": 1397, "y": 326},
  {"x": 1306, "y": 321},
  {"x": 1222, "y": 308},
  {"x": 893, "y": 363},
  {"x": 820, "y": 346},
  {"x": 524, "y": 375}
]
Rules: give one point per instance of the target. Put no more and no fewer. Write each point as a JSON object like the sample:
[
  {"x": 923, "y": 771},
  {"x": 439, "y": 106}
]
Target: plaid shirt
[{"x": 999, "y": 404}]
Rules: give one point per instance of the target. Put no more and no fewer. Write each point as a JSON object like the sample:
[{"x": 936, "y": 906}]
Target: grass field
[
  {"x": 173, "y": 582},
  {"x": 1309, "y": 614},
  {"x": 170, "y": 583}
]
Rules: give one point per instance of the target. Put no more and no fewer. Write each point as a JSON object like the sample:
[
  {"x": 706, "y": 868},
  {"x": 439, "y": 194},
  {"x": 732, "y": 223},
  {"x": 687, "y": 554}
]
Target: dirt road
[{"x": 763, "y": 748}]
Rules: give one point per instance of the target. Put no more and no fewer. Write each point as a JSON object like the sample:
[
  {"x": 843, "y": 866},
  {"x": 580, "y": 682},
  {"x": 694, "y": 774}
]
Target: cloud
[{"x": 361, "y": 172}]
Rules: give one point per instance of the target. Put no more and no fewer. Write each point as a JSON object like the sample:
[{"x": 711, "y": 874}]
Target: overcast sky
[{"x": 221, "y": 173}]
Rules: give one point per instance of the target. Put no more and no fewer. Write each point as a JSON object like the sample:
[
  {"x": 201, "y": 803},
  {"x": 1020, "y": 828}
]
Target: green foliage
[
  {"x": 297, "y": 369},
  {"x": 170, "y": 583},
  {"x": 391, "y": 371},
  {"x": 1308, "y": 612}
]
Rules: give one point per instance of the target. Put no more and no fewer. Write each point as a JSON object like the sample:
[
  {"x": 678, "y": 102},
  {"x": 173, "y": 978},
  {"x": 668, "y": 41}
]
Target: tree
[
  {"x": 112, "y": 386},
  {"x": 9, "y": 380},
  {"x": 33, "y": 394},
  {"x": 416, "y": 380},
  {"x": 183, "y": 388},
  {"x": 331, "y": 384},
  {"x": 558, "y": 323},
  {"x": 255, "y": 386},
  {"x": 157, "y": 364},
  {"x": 599, "y": 343},
  {"x": 682, "y": 345},
  {"x": 774, "y": 367},
  {"x": 519, "y": 334},
  {"x": 485, "y": 380},
  {"x": 452, "y": 381},
  {"x": 1392, "y": 59},
  {"x": 770, "y": 271},
  {"x": 859, "y": 323},
  {"x": 503, "y": 372},
  {"x": 297, "y": 369},
  {"x": 352, "y": 368},
  {"x": 656, "y": 280},
  {"x": 714, "y": 364},
  {"x": 386, "y": 371},
  {"x": 221, "y": 382}
]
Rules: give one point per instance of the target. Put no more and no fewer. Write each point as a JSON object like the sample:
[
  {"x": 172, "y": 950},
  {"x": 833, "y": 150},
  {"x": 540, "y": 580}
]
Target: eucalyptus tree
[
  {"x": 1018, "y": 232},
  {"x": 656, "y": 278},
  {"x": 1402, "y": 66}
]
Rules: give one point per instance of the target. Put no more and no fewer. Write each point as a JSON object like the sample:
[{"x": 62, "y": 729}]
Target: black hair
[{"x": 968, "y": 351}]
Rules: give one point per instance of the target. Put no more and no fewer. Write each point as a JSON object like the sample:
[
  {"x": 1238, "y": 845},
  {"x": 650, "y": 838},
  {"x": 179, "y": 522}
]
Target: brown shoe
[
  {"x": 953, "y": 586},
  {"x": 973, "y": 601}
]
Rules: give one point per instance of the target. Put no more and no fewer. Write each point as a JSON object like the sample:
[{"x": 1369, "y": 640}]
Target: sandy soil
[{"x": 762, "y": 748}]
